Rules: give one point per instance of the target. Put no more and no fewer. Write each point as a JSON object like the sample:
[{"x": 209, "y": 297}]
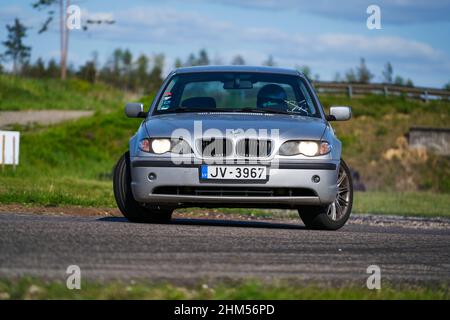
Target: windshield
[{"x": 237, "y": 92}]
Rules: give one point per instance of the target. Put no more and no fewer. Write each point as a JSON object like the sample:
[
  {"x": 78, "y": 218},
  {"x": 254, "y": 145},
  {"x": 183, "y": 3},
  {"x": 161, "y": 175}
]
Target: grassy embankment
[
  {"x": 17, "y": 93},
  {"x": 71, "y": 163},
  {"x": 30, "y": 288}
]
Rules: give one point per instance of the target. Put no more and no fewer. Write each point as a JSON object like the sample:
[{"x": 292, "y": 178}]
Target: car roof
[{"x": 261, "y": 69}]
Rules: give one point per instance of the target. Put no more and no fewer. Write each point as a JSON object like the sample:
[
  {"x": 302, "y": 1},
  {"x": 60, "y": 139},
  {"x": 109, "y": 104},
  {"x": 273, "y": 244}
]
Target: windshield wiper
[
  {"x": 265, "y": 110},
  {"x": 249, "y": 110},
  {"x": 192, "y": 109}
]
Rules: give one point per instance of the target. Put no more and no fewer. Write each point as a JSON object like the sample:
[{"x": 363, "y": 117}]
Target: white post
[
  {"x": 14, "y": 153},
  {"x": 3, "y": 152}
]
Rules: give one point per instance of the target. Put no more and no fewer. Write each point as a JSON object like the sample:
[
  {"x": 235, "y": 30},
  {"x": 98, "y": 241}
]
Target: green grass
[
  {"x": 425, "y": 204},
  {"x": 377, "y": 106},
  {"x": 30, "y": 288},
  {"x": 17, "y": 93},
  {"x": 52, "y": 192}
]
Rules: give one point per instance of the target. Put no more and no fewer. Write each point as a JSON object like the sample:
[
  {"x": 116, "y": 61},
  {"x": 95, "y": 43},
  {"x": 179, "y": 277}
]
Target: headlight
[
  {"x": 160, "y": 145},
  {"x": 163, "y": 145},
  {"x": 307, "y": 148}
]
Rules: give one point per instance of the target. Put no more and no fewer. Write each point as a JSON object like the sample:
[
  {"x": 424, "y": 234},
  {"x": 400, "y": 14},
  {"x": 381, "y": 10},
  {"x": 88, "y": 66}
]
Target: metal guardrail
[{"x": 351, "y": 89}]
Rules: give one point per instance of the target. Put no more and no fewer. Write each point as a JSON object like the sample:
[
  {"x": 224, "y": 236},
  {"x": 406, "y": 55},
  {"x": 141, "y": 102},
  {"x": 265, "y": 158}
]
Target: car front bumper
[{"x": 289, "y": 184}]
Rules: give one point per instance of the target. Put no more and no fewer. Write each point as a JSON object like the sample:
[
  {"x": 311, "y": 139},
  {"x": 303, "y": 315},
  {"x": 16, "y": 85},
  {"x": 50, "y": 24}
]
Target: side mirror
[
  {"x": 339, "y": 113},
  {"x": 135, "y": 110}
]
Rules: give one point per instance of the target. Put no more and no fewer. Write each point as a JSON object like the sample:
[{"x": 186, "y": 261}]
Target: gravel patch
[
  {"x": 284, "y": 216},
  {"x": 401, "y": 221},
  {"x": 41, "y": 117}
]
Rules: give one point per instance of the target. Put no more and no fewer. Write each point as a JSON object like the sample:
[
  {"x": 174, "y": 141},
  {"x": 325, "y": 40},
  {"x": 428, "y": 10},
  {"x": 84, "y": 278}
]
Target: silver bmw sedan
[{"x": 235, "y": 136}]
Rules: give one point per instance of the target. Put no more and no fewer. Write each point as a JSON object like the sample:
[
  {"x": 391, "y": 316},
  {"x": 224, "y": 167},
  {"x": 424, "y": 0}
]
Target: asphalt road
[{"x": 192, "y": 250}]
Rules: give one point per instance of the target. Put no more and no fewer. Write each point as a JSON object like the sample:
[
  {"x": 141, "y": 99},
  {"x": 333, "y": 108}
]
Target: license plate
[{"x": 233, "y": 172}]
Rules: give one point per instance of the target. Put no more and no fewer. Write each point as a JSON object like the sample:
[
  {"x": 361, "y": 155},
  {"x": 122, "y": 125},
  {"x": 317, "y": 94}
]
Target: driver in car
[{"x": 274, "y": 97}]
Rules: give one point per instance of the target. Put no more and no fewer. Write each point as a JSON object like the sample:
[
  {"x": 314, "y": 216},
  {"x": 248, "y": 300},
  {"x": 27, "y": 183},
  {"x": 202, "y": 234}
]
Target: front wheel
[
  {"x": 130, "y": 208},
  {"x": 335, "y": 215}
]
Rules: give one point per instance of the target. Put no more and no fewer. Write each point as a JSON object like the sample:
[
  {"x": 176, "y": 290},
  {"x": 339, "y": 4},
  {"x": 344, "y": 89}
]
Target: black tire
[
  {"x": 130, "y": 208},
  {"x": 322, "y": 217}
]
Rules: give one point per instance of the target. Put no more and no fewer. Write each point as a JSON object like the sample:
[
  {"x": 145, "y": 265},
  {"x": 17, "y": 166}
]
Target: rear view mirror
[
  {"x": 238, "y": 84},
  {"x": 135, "y": 110},
  {"x": 339, "y": 113}
]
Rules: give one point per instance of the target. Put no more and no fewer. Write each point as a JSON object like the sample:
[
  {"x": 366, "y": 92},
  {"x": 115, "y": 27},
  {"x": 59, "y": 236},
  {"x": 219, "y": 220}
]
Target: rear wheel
[
  {"x": 130, "y": 208},
  {"x": 335, "y": 215}
]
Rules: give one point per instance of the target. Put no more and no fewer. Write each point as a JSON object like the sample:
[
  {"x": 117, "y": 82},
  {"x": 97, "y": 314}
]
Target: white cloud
[
  {"x": 386, "y": 46},
  {"x": 161, "y": 25},
  {"x": 168, "y": 25}
]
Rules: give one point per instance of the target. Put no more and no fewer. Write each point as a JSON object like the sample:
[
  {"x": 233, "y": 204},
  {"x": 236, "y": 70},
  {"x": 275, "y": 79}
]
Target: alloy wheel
[{"x": 339, "y": 207}]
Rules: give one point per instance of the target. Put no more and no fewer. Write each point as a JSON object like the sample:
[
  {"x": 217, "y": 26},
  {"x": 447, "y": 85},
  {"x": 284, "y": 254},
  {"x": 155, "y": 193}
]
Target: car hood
[{"x": 289, "y": 126}]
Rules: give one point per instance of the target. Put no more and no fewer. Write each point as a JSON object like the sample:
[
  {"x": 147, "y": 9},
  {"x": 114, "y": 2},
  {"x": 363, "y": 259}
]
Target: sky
[{"x": 327, "y": 36}]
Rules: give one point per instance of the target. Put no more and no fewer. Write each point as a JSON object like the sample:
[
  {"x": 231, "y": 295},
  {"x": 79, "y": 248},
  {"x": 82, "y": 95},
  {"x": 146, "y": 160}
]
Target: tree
[
  {"x": 409, "y": 83},
  {"x": 191, "y": 60},
  {"x": 178, "y": 63},
  {"x": 362, "y": 72},
  {"x": 117, "y": 66},
  {"x": 141, "y": 72},
  {"x": 447, "y": 86},
  {"x": 388, "y": 73},
  {"x": 337, "y": 77},
  {"x": 37, "y": 70},
  {"x": 127, "y": 60},
  {"x": 122, "y": 71},
  {"x": 15, "y": 48},
  {"x": 270, "y": 62},
  {"x": 203, "y": 58},
  {"x": 306, "y": 71},
  {"x": 155, "y": 77},
  {"x": 53, "y": 70},
  {"x": 238, "y": 60},
  {"x": 350, "y": 76},
  {"x": 399, "y": 81},
  {"x": 88, "y": 71}
]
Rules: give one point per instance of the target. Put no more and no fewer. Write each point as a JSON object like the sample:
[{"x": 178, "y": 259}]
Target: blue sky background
[{"x": 328, "y": 36}]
